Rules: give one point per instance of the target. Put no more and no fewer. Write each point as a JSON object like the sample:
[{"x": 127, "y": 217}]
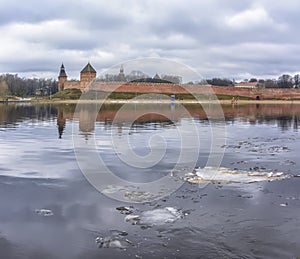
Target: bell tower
[{"x": 62, "y": 78}]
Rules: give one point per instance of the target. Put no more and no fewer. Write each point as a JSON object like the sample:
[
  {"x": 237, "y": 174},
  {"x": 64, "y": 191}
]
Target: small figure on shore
[{"x": 234, "y": 100}]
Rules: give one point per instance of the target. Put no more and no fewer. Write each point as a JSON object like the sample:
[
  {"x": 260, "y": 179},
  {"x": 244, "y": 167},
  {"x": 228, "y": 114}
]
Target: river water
[{"x": 49, "y": 209}]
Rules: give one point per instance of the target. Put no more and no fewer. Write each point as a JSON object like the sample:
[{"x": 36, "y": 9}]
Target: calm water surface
[{"x": 38, "y": 170}]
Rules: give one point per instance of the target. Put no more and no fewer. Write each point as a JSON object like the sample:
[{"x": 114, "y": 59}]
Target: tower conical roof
[
  {"x": 62, "y": 72},
  {"x": 88, "y": 68}
]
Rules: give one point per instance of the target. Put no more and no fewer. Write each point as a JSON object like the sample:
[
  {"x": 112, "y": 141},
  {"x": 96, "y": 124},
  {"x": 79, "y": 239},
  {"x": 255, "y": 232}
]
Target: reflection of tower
[
  {"x": 121, "y": 76},
  {"x": 62, "y": 78},
  {"x": 87, "y": 75},
  {"x": 87, "y": 117},
  {"x": 61, "y": 122}
]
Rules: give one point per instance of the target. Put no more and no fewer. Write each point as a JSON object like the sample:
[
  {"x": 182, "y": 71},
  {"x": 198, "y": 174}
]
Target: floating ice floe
[
  {"x": 225, "y": 175},
  {"x": 140, "y": 196},
  {"x": 113, "y": 189},
  {"x": 156, "y": 217},
  {"x": 44, "y": 212},
  {"x": 112, "y": 242},
  {"x": 161, "y": 216},
  {"x": 132, "y": 218},
  {"x": 131, "y": 193},
  {"x": 124, "y": 210},
  {"x": 283, "y": 204}
]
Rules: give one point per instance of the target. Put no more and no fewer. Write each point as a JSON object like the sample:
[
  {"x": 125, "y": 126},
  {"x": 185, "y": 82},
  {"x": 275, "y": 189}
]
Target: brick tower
[
  {"x": 87, "y": 75},
  {"x": 62, "y": 78}
]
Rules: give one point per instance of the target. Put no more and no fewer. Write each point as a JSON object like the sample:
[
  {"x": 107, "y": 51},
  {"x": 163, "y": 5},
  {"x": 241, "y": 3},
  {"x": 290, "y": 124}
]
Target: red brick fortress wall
[{"x": 263, "y": 93}]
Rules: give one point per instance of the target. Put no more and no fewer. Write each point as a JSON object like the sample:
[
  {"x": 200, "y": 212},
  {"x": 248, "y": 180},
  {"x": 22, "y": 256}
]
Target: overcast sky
[{"x": 232, "y": 39}]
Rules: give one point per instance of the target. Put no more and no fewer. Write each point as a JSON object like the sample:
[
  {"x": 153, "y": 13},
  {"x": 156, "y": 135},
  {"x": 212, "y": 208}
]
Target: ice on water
[
  {"x": 161, "y": 216},
  {"x": 158, "y": 216},
  {"x": 225, "y": 175}
]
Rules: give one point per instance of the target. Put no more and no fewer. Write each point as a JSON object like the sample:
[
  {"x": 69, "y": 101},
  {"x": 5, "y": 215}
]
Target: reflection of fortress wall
[
  {"x": 140, "y": 116},
  {"x": 247, "y": 112}
]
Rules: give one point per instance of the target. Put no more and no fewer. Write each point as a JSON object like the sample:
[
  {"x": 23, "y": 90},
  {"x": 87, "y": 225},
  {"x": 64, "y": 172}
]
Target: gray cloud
[{"x": 233, "y": 39}]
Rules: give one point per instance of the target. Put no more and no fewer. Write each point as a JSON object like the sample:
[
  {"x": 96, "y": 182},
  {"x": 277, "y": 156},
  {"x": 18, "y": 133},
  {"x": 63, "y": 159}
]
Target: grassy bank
[{"x": 73, "y": 95}]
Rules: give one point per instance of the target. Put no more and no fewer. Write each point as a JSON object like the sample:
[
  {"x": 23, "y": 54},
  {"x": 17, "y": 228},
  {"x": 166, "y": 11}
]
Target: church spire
[
  {"x": 121, "y": 77},
  {"x": 62, "y": 72},
  {"x": 62, "y": 78}
]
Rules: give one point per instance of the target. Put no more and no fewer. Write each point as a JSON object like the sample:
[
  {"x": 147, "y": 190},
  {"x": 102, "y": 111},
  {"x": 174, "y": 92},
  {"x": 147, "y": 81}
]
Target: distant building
[
  {"x": 87, "y": 75},
  {"x": 121, "y": 76},
  {"x": 247, "y": 85},
  {"x": 156, "y": 76}
]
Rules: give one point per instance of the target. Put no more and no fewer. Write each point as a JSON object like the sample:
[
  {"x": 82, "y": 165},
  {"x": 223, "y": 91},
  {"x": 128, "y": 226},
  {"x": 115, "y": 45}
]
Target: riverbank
[
  {"x": 147, "y": 101},
  {"x": 120, "y": 101}
]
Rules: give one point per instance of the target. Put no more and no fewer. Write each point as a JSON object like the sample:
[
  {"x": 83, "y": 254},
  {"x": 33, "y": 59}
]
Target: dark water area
[{"x": 48, "y": 209}]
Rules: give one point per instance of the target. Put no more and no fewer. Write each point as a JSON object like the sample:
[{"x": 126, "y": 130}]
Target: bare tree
[
  {"x": 252, "y": 80},
  {"x": 296, "y": 80},
  {"x": 27, "y": 86},
  {"x": 269, "y": 83},
  {"x": 3, "y": 90},
  {"x": 285, "y": 81},
  {"x": 172, "y": 78}
]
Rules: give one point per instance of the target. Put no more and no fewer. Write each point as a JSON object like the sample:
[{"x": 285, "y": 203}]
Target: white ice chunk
[
  {"x": 225, "y": 175},
  {"x": 44, "y": 212}
]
